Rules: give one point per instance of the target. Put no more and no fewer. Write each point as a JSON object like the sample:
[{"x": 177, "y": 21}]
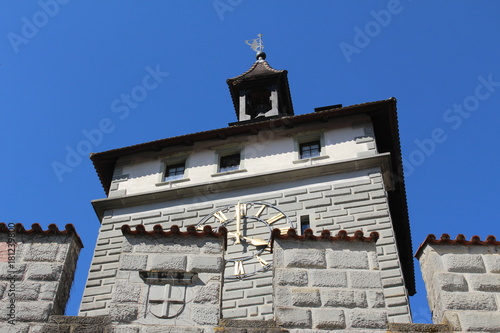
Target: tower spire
[{"x": 262, "y": 92}]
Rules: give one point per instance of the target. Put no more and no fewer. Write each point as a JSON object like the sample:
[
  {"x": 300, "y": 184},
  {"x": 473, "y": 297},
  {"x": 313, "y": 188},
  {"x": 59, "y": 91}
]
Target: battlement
[
  {"x": 36, "y": 269},
  {"x": 328, "y": 283},
  {"x": 169, "y": 279},
  {"x": 462, "y": 278}
]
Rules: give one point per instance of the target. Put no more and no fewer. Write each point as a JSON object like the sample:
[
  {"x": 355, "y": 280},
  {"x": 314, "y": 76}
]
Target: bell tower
[
  {"x": 262, "y": 92},
  {"x": 332, "y": 169}
]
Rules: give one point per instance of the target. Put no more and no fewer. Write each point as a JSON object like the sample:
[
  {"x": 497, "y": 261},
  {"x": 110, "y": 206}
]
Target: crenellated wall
[
  {"x": 328, "y": 283},
  {"x": 463, "y": 281},
  {"x": 171, "y": 280},
  {"x": 36, "y": 272}
]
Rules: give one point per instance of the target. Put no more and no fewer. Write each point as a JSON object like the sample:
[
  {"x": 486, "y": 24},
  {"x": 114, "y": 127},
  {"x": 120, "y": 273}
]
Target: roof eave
[{"x": 104, "y": 161}]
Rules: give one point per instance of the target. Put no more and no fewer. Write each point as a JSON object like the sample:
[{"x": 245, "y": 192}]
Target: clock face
[{"x": 249, "y": 226}]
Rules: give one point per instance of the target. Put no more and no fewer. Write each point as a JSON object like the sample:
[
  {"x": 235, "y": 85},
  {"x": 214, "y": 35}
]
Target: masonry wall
[
  {"x": 183, "y": 289},
  {"x": 35, "y": 280},
  {"x": 328, "y": 285},
  {"x": 349, "y": 201},
  {"x": 463, "y": 283}
]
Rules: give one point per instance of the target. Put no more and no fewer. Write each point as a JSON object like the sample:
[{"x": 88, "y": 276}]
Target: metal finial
[{"x": 256, "y": 44}]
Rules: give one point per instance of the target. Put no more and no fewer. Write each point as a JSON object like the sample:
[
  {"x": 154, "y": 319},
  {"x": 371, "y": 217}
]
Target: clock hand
[
  {"x": 255, "y": 241},
  {"x": 252, "y": 241},
  {"x": 238, "y": 221}
]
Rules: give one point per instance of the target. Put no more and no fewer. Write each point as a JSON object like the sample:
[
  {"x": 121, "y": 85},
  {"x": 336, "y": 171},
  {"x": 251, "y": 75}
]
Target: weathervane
[{"x": 256, "y": 44}]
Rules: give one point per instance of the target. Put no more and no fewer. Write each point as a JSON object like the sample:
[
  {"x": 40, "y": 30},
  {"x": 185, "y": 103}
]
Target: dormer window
[
  {"x": 310, "y": 149},
  {"x": 175, "y": 171},
  {"x": 230, "y": 162}
]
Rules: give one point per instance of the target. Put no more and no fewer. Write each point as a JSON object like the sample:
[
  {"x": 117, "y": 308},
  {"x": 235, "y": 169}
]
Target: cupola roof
[{"x": 265, "y": 91}]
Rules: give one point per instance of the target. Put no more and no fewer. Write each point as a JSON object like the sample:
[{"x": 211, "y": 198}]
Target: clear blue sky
[{"x": 65, "y": 67}]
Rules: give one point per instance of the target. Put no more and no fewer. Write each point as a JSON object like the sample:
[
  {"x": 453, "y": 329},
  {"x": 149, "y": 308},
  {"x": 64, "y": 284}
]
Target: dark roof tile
[
  {"x": 308, "y": 235},
  {"x": 176, "y": 231},
  {"x": 259, "y": 68},
  {"x": 445, "y": 239},
  {"x": 36, "y": 229}
]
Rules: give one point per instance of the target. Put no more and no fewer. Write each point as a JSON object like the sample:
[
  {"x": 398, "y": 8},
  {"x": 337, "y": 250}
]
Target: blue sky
[{"x": 66, "y": 65}]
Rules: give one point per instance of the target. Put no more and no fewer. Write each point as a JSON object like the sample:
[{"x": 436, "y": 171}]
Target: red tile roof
[
  {"x": 36, "y": 229},
  {"x": 176, "y": 231},
  {"x": 358, "y": 236},
  {"x": 460, "y": 240}
]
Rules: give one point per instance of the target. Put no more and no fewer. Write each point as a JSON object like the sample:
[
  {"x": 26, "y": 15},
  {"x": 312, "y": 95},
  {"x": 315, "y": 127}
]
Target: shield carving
[{"x": 166, "y": 301}]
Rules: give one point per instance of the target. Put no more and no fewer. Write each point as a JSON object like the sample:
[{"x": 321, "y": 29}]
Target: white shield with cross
[{"x": 167, "y": 301}]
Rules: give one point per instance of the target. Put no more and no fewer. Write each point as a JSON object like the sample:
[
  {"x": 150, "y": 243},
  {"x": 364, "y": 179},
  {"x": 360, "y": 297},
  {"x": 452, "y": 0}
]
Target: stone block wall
[
  {"x": 328, "y": 283},
  {"x": 463, "y": 281},
  {"x": 168, "y": 280},
  {"x": 36, "y": 275},
  {"x": 350, "y": 201}
]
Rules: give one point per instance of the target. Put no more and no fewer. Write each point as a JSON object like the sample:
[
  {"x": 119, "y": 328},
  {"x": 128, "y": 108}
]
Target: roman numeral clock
[{"x": 249, "y": 226}]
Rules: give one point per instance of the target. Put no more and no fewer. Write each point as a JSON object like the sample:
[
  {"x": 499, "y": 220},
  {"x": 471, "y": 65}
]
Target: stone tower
[
  {"x": 36, "y": 272},
  {"x": 337, "y": 168}
]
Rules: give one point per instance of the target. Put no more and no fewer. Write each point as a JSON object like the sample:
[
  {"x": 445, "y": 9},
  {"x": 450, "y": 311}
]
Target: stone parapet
[
  {"x": 462, "y": 278},
  {"x": 168, "y": 279},
  {"x": 248, "y": 326},
  {"x": 328, "y": 283},
  {"x": 418, "y": 328},
  {"x": 70, "y": 324},
  {"x": 36, "y": 273}
]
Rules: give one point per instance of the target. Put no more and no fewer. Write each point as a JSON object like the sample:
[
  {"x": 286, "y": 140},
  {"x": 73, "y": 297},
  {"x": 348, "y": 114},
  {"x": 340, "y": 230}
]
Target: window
[
  {"x": 174, "y": 171},
  {"x": 304, "y": 223},
  {"x": 309, "y": 149},
  {"x": 229, "y": 162}
]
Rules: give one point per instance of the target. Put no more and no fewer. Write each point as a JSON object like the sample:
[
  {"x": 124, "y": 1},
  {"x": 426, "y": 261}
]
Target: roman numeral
[
  {"x": 260, "y": 211},
  {"x": 275, "y": 218},
  {"x": 220, "y": 216},
  {"x": 262, "y": 261},
  {"x": 238, "y": 268},
  {"x": 240, "y": 209},
  {"x": 284, "y": 231}
]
